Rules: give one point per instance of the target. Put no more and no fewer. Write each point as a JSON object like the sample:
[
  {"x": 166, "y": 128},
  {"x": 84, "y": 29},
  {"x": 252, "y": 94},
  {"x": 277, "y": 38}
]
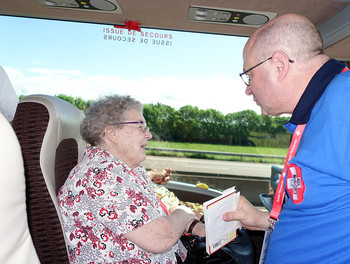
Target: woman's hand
[{"x": 249, "y": 216}]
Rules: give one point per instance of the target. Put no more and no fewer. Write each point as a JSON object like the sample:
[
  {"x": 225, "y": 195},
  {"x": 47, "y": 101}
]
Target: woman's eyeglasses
[{"x": 142, "y": 124}]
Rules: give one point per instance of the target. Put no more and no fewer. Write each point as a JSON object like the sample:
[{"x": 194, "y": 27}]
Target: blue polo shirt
[{"x": 313, "y": 225}]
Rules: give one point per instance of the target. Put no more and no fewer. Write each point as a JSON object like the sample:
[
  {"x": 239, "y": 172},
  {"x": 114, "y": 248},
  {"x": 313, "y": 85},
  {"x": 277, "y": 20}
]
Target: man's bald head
[
  {"x": 288, "y": 51},
  {"x": 291, "y": 33}
]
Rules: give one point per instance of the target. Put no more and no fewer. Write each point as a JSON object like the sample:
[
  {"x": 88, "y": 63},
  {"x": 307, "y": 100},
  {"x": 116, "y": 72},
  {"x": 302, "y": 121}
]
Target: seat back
[
  {"x": 48, "y": 130},
  {"x": 15, "y": 240},
  {"x": 8, "y": 97}
]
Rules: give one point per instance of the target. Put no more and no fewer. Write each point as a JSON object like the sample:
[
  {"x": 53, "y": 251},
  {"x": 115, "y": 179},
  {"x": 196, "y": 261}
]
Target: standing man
[{"x": 286, "y": 71}]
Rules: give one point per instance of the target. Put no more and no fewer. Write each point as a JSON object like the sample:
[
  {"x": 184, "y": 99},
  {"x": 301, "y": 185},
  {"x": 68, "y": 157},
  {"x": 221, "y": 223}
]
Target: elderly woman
[{"x": 111, "y": 212}]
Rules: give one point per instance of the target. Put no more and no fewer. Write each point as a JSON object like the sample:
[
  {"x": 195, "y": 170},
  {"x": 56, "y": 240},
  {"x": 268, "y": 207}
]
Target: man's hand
[{"x": 249, "y": 216}]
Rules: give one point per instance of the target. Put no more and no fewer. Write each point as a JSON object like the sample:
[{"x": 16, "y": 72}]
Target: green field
[{"x": 218, "y": 148}]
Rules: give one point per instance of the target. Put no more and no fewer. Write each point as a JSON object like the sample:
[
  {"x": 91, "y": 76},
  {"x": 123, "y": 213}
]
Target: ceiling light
[
  {"x": 107, "y": 6},
  {"x": 229, "y": 16}
]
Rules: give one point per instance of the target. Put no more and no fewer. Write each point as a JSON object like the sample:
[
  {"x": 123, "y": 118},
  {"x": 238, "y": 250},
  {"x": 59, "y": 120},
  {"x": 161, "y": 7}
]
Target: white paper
[{"x": 218, "y": 232}]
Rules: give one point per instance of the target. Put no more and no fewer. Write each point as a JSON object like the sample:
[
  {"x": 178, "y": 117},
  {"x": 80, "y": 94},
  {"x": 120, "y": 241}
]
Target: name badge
[{"x": 265, "y": 245}]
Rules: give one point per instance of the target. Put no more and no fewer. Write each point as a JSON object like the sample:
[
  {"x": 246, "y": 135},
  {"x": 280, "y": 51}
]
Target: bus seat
[
  {"x": 8, "y": 97},
  {"x": 15, "y": 240},
  {"x": 48, "y": 130}
]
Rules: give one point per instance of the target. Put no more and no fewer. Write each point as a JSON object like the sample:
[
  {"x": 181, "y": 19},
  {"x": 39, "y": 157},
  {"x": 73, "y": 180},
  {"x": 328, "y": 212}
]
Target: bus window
[
  {"x": 195, "y": 74},
  {"x": 155, "y": 66}
]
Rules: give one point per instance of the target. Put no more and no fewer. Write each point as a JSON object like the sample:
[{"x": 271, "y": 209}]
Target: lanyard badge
[
  {"x": 280, "y": 192},
  {"x": 266, "y": 241}
]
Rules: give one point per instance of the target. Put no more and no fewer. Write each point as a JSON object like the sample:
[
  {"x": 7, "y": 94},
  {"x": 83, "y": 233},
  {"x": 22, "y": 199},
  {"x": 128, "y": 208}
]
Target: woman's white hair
[{"x": 107, "y": 111}]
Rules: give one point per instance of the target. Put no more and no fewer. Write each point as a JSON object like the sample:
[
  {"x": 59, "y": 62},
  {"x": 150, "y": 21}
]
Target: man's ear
[
  {"x": 281, "y": 62},
  {"x": 110, "y": 133}
]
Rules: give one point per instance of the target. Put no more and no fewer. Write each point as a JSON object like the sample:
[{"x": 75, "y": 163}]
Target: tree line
[{"x": 190, "y": 124}]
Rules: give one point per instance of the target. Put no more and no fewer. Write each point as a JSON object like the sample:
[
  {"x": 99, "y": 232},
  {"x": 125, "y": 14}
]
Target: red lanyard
[{"x": 279, "y": 195}]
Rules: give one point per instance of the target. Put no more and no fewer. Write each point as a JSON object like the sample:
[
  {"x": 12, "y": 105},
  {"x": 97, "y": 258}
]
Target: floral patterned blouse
[{"x": 101, "y": 201}]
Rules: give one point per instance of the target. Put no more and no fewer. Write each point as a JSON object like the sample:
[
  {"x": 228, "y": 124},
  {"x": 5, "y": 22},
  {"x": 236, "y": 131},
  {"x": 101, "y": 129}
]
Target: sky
[{"x": 154, "y": 66}]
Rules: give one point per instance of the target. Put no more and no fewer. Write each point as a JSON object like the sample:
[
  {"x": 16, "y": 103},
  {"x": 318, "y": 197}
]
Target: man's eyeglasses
[
  {"x": 142, "y": 124},
  {"x": 246, "y": 78}
]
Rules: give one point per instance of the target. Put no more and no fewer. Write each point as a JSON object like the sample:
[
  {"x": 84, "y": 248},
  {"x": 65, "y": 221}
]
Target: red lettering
[
  {"x": 113, "y": 31},
  {"x": 119, "y": 38}
]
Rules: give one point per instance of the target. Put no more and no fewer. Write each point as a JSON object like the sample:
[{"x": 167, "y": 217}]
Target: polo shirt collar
[{"x": 314, "y": 91}]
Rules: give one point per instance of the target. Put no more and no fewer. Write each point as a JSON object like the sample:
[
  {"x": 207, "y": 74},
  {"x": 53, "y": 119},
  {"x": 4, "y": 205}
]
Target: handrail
[{"x": 217, "y": 153}]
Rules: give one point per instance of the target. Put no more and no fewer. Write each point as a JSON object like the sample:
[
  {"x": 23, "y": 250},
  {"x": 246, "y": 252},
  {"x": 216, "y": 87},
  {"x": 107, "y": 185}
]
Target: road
[
  {"x": 251, "y": 179},
  {"x": 240, "y": 169}
]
